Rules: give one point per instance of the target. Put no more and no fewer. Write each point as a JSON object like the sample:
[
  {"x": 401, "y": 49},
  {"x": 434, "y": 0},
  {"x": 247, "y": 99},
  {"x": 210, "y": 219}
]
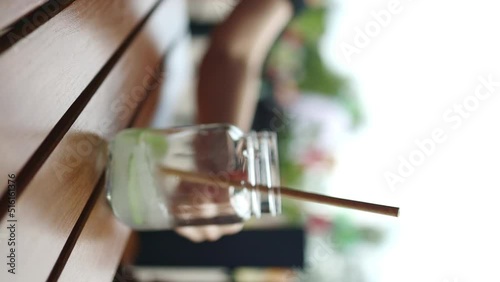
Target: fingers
[
  {"x": 208, "y": 232},
  {"x": 211, "y": 232},
  {"x": 194, "y": 201},
  {"x": 230, "y": 229},
  {"x": 191, "y": 233}
]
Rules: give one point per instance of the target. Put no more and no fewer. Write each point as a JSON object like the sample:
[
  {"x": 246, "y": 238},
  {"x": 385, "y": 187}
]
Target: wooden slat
[
  {"x": 43, "y": 74},
  {"x": 10, "y": 11},
  {"x": 97, "y": 252},
  {"x": 156, "y": 109},
  {"x": 148, "y": 108},
  {"x": 97, "y": 260},
  {"x": 99, "y": 248},
  {"x": 55, "y": 198}
]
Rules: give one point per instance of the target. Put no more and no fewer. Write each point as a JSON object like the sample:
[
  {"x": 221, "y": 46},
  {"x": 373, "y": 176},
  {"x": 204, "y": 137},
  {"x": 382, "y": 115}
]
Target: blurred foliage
[
  {"x": 316, "y": 77},
  {"x": 290, "y": 170},
  {"x": 292, "y": 211},
  {"x": 344, "y": 234},
  {"x": 296, "y": 56},
  {"x": 310, "y": 24},
  {"x": 295, "y": 60}
]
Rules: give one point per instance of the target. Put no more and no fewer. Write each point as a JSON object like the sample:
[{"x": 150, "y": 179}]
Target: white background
[{"x": 427, "y": 59}]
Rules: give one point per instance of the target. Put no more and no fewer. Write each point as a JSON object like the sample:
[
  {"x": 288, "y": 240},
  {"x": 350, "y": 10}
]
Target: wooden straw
[{"x": 289, "y": 192}]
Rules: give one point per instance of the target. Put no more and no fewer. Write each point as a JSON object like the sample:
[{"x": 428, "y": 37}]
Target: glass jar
[{"x": 145, "y": 197}]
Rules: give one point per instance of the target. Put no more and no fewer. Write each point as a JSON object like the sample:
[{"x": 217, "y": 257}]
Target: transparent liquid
[
  {"x": 145, "y": 198},
  {"x": 131, "y": 181}
]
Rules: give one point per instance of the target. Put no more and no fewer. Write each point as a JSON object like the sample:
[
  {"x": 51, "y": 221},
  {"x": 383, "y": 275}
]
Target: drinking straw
[{"x": 285, "y": 191}]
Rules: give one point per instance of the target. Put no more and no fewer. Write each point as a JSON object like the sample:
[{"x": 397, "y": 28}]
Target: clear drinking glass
[{"x": 143, "y": 196}]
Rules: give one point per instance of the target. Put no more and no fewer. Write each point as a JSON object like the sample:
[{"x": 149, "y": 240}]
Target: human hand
[{"x": 204, "y": 212}]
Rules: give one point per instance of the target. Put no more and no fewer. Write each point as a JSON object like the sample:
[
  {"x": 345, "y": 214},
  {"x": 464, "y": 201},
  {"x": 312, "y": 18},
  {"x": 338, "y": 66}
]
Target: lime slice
[
  {"x": 133, "y": 190},
  {"x": 156, "y": 142},
  {"x": 140, "y": 171}
]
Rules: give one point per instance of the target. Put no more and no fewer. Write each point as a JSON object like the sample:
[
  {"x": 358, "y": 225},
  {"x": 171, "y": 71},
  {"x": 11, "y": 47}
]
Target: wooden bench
[{"x": 72, "y": 74}]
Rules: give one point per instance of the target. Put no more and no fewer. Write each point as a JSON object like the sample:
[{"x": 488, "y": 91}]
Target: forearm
[{"x": 229, "y": 76}]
